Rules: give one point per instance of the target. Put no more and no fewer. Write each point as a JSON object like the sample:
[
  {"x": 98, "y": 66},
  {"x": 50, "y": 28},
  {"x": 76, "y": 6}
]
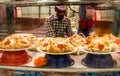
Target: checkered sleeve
[
  {"x": 50, "y": 31},
  {"x": 69, "y": 31}
]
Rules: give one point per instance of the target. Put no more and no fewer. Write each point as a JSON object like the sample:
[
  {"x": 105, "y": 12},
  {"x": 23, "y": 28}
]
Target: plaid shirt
[{"x": 56, "y": 28}]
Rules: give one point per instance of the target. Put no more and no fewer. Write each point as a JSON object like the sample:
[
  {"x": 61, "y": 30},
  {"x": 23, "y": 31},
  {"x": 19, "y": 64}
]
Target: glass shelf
[
  {"x": 77, "y": 67},
  {"x": 70, "y": 70}
]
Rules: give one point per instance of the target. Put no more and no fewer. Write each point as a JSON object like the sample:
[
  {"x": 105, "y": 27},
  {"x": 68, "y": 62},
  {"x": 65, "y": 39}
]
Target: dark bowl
[
  {"x": 59, "y": 61},
  {"x": 99, "y": 61}
]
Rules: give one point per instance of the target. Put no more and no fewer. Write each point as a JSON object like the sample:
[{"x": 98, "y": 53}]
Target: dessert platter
[
  {"x": 14, "y": 50},
  {"x": 100, "y": 44},
  {"x": 15, "y": 42},
  {"x": 99, "y": 50},
  {"x": 58, "y": 49},
  {"x": 59, "y": 46}
]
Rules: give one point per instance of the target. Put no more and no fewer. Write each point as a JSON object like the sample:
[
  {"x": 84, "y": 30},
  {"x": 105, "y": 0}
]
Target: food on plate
[
  {"x": 114, "y": 39},
  {"x": 44, "y": 43},
  {"x": 110, "y": 37},
  {"x": 40, "y": 62},
  {"x": 100, "y": 44},
  {"x": 76, "y": 40},
  {"x": 56, "y": 45},
  {"x": 117, "y": 41},
  {"x": 30, "y": 37},
  {"x": 15, "y": 42}
]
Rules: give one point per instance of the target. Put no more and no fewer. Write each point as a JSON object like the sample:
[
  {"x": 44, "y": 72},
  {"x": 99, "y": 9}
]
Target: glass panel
[{"x": 30, "y": 15}]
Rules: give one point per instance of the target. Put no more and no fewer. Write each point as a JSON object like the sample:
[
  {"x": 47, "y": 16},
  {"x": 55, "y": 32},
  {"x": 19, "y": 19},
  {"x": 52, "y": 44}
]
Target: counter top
[{"x": 76, "y": 67}]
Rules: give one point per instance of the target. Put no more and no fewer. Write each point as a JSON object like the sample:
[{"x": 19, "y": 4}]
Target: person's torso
[{"x": 59, "y": 27}]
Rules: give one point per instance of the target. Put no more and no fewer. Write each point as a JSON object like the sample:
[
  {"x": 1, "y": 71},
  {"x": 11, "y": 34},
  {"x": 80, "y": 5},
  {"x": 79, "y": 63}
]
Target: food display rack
[{"x": 77, "y": 67}]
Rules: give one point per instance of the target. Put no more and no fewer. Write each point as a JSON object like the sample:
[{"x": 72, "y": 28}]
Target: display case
[{"x": 28, "y": 16}]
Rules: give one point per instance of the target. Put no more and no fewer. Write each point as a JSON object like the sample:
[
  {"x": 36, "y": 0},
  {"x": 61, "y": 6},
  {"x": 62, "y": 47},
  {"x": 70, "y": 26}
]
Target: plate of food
[
  {"x": 20, "y": 49},
  {"x": 97, "y": 52},
  {"x": 56, "y": 53},
  {"x": 77, "y": 39},
  {"x": 56, "y": 46},
  {"x": 99, "y": 45},
  {"x": 15, "y": 43},
  {"x": 28, "y": 36}
]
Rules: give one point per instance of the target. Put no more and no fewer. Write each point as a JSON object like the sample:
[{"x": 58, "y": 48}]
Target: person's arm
[{"x": 49, "y": 30}]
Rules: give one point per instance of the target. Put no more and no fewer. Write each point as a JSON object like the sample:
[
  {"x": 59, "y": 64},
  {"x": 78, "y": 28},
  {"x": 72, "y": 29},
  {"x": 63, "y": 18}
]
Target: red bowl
[{"x": 15, "y": 58}]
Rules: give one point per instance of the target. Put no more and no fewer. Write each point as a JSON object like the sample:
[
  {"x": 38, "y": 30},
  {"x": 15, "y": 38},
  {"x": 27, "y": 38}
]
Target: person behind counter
[
  {"x": 58, "y": 25},
  {"x": 86, "y": 26}
]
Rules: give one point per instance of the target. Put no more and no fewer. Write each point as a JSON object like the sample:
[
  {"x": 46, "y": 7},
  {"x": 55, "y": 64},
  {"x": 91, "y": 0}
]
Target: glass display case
[
  {"x": 105, "y": 10},
  {"x": 28, "y": 16}
]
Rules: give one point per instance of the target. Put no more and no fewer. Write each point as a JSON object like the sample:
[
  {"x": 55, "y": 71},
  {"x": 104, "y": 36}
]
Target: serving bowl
[
  {"x": 99, "y": 61},
  {"x": 59, "y": 61},
  {"x": 15, "y": 58}
]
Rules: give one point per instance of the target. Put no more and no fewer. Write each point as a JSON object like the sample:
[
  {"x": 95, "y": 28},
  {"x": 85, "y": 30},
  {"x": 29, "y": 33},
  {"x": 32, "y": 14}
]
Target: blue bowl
[
  {"x": 99, "y": 61},
  {"x": 59, "y": 61}
]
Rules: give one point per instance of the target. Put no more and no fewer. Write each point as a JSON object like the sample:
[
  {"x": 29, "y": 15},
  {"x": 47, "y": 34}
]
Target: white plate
[
  {"x": 15, "y": 49},
  {"x": 57, "y": 53},
  {"x": 23, "y": 34},
  {"x": 86, "y": 51}
]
